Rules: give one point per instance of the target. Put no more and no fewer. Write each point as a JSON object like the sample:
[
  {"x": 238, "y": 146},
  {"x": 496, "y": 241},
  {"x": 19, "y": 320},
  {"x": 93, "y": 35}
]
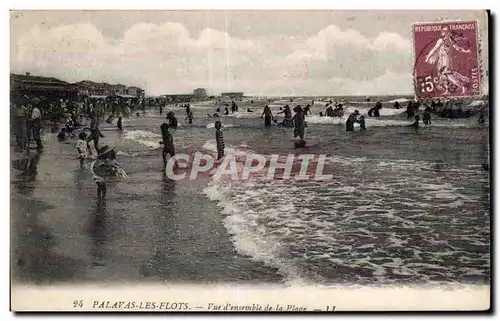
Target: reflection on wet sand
[
  {"x": 26, "y": 176},
  {"x": 98, "y": 234},
  {"x": 36, "y": 261}
]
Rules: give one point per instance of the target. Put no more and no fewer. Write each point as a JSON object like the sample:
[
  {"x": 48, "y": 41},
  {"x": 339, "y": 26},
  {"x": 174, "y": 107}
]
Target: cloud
[{"x": 166, "y": 58}]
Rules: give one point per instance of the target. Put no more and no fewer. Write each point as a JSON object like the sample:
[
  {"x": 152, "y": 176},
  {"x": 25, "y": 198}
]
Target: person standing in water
[
  {"x": 168, "y": 144},
  {"x": 410, "y": 110},
  {"x": 307, "y": 110},
  {"x": 95, "y": 133},
  {"x": 105, "y": 167},
  {"x": 161, "y": 109},
  {"x": 416, "y": 123},
  {"x": 353, "y": 118},
  {"x": 300, "y": 126},
  {"x": 81, "y": 148},
  {"x": 287, "y": 122},
  {"x": 426, "y": 117},
  {"x": 481, "y": 120},
  {"x": 375, "y": 110},
  {"x": 21, "y": 126},
  {"x": 119, "y": 123},
  {"x": 190, "y": 118},
  {"x": 219, "y": 139},
  {"x": 36, "y": 127},
  {"x": 267, "y": 115},
  {"x": 172, "y": 121},
  {"x": 329, "y": 110},
  {"x": 362, "y": 125}
]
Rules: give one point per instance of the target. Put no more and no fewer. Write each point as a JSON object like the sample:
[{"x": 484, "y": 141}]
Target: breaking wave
[{"x": 359, "y": 230}]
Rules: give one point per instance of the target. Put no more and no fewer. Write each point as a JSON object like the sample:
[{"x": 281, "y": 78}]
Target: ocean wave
[
  {"x": 144, "y": 137},
  {"x": 239, "y": 151},
  {"x": 355, "y": 229},
  {"x": 212, "y": 125}
]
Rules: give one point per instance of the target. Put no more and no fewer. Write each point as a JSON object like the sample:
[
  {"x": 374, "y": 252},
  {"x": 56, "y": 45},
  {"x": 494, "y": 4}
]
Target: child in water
[
  {"x": 300, "y": 125},
  {"x": 427, "y": 116},
  {"x": 219, "y": 138},
  {"x": 168, "y": 144},
  {"x": 190, "y": 117},
  {"x": 172, "y": 121},
  {"x": 81, "y": 148},
  {"x": 61, "y": 137},
  {"x": 362, "y": 125},
  {"x": 416, "y": 124},
  {"x": 104, "y": 167}
]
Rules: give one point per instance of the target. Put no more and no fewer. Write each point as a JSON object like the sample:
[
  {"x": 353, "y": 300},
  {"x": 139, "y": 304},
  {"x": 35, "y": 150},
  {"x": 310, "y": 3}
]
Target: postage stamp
[
  {"x": 248, "y": 161},
  {"x": 447, "y": 62}
]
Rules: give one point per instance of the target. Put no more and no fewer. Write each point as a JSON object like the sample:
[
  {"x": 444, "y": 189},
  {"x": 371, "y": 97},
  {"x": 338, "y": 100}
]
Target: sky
[{"x": 270, "y": 53}]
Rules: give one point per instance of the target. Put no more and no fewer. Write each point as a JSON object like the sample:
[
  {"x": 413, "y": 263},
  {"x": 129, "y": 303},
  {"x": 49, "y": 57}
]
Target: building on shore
[
  {"x": 36, "y": 86},
  {"x": 92, "y": 89},
  {"x": 177, "y": 98},
  {"x": 200, "y": 93},
  {"x": 50, "y": 87},
  {"x": 234, "y": 95},
  {"x": 136, "y": 92}
]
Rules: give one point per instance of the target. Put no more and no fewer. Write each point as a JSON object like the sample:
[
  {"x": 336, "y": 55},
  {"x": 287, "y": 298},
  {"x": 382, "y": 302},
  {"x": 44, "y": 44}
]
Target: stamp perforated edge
[{"x": 479, "y": 58}]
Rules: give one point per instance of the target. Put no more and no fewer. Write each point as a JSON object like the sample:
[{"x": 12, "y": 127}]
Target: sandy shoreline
[{"x": 147, "y": 230}]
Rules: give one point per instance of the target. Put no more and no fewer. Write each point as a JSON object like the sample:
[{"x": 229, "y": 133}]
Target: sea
[{"x": 404, "y": 206}]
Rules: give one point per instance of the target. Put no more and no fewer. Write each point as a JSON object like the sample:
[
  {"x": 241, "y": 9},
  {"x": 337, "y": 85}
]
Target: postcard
[{"x": 249, "y": 160}]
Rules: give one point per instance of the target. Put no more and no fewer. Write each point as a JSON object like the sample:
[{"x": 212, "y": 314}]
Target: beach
[{"x": 393, "y": 213}]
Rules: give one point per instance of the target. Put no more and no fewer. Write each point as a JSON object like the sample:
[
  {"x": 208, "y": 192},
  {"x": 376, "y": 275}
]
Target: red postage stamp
[{"x": 446, "y": 61}]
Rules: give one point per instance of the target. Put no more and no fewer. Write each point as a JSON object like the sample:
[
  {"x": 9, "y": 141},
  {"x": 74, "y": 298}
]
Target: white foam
[
  {"x": 127, "y": 153},
  {"x": 212, "y": 125},
  {"x": 280, "y": 222},
  {"x": 399, "y": 100},
  {"x": 476, "y": 103},
  {"x": 244, "y": 114},
  {"x": 211, "y": 145},
  {"x": 144, "y": 137}
]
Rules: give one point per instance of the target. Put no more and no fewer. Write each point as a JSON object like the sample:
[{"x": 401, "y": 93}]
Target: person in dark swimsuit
[
  {"x": 267, "y": 115},
  {"x": 287, "y": 121},
  {"x": 362, "y": 125},
  {"x": 307, "y": 110},
  {"x": 410, "y": 110},
  {"x": 375, "y": 110},
  {"x": 190, "y": 117},
  {"x": 353, "y": 118},
  {"x": 172, "y": 120},
  {"x": 62, "y": 135},
  {"x": 119, "y": 123},
  {"x": 481, "y": 120},
  {"x": 416, "y": 123},
  {"x": 299, "y": 126},
  {"x": 95, "y": 134},
  {"x": 168, "y": 144},
  {"x": 426, "y": 117}
]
